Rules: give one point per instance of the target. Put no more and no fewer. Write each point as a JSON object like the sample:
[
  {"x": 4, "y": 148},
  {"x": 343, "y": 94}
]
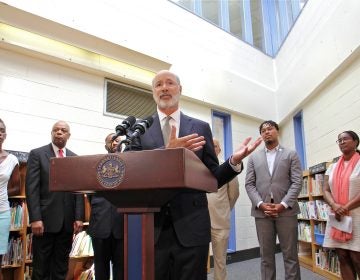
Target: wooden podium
[{"x": 136, "y": 182}]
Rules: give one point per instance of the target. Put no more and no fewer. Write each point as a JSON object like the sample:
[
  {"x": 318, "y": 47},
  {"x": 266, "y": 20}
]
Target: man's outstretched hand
[
  {"x": 192, "y": 142},
  {"x": 244, "y": 150}
]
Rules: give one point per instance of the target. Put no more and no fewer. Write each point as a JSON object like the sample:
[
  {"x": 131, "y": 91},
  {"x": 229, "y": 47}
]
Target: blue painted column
[{"x": 134, "y": 247}]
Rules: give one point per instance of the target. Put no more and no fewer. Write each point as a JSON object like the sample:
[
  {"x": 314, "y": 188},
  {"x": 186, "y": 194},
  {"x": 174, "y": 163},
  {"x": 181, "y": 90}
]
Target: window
[
  {"x": 262, "y": 23},
  {"x": 126, "y": 100}
]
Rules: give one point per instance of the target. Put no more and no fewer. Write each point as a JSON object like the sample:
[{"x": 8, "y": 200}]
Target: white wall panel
[
  {"x": 323, "y": 37},
  {"x": 210, "y": 62}
]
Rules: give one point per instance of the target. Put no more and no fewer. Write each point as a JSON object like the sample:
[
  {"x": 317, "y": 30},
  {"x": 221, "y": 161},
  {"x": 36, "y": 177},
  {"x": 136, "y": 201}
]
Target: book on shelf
[
  {"x": 16, "y": 215},
  {"x": 28, "y": 248},
  {"x": 305, "y": 188},
  {"x": 14, "y": 253},
  {"x": 320, "y": 228},
  {"x": 307, "y": 210},
  {"x": 322, "y": 209},
  {"x": 303, "y": 210},
  {"x": 327, "y": 259},
  {"x": 312, "y": 211},
  {"x": 82, "y": 245},
  {"x": 317, "y": 184},
  {"x": 304, "y": 231}
]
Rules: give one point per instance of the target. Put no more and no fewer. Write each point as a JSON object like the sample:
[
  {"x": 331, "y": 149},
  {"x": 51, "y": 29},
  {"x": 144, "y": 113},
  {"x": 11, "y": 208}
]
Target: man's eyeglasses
[{"x": 341, "y": 140}]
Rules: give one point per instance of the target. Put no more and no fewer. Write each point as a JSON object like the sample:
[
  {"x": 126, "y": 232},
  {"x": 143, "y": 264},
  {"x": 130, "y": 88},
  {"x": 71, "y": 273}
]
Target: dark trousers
[
  {"x": 176, "y": 262},
  {"x": 51, "y": 255},
  {"x": 349, "y": 263},
  {"x": 108, "y": 250}
]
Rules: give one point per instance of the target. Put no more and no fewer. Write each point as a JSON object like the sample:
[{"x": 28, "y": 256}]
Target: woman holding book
[
  {"x": 342, "y": 193},
  {"x": 9, "y": 185}
]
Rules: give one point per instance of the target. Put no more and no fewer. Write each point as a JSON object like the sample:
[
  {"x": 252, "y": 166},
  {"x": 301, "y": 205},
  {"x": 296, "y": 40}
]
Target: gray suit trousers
[{"x": 285, "y": 227}]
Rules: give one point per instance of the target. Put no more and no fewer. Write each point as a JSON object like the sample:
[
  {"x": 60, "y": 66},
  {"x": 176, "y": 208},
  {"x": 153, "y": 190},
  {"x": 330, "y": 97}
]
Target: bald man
[{"x": 54, "y": 216}]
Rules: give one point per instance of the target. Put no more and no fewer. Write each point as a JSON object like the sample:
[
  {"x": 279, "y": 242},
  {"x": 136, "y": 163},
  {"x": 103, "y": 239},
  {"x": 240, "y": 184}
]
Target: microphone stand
[{"x": 128, "y": 145}]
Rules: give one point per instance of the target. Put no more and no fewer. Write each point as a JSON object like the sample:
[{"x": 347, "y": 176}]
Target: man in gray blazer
[{"x": 273, "y": 182}]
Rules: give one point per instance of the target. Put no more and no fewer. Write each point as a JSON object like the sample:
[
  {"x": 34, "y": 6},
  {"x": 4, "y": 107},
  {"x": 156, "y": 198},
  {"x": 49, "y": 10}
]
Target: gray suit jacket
[{"x": 284, "y": 183}]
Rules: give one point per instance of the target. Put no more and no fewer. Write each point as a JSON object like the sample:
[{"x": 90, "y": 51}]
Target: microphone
[
  {"x": 124, "y": 126},
  {"x": 141, "y": 127}
]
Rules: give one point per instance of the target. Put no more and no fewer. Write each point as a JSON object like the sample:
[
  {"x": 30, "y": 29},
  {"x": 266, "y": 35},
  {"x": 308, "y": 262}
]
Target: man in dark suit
[
  {"x": 54, "y": 216},
  {"x": 273, "y": 183},
  {"x": 182, "y": 227},
  {"x": 106, "y": 229}
]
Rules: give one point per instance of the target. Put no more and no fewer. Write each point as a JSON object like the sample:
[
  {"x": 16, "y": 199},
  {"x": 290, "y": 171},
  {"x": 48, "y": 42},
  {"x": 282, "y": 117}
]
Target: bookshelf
[
  {"x": 13, "y": 265},
  {"x": 18, "y": 265},
  {"x": 82, "y": 254},
  {"x": 312, "y": 223}
]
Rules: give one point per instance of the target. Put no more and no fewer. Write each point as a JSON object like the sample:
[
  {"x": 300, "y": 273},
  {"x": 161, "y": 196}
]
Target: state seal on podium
[{"x": 110, "y": 171}]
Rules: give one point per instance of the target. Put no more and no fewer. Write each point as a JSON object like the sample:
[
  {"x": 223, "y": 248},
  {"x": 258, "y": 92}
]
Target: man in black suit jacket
[
  {"x": 182, "y": 227},
  {"x": 54, "y": 216},
  {"x": 106, "y": 229}
]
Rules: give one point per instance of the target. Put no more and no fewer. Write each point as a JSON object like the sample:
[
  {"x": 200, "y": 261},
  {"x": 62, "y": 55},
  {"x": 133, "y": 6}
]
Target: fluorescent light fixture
[{"x": 64, "y": 52}]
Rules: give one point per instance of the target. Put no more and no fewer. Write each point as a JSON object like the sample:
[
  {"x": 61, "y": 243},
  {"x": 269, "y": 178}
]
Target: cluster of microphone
[{"x": 132, "y": 129}]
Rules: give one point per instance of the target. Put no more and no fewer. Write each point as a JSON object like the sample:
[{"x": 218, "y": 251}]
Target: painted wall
[
  {"x": 214, "y": 66},
  {"x": 333, "y": 109},
  {"x": 35, "y": 94},
  {"x": 323, "y": 37}
]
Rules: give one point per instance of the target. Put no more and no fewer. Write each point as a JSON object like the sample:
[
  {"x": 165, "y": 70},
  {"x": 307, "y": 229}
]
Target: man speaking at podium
[{"x": 182, "y": 227}]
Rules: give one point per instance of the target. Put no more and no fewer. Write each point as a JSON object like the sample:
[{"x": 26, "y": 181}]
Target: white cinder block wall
[
  {"x": 335, "y": 108},
  {"x": 35, "y": 94},
  {"x": 316, "y": 71}
]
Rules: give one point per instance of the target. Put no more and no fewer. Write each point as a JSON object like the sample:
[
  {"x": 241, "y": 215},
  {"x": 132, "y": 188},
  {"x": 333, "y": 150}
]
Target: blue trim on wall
[
  {"x": 227, "y": 153},
  {"x": 299, "y": 138}
]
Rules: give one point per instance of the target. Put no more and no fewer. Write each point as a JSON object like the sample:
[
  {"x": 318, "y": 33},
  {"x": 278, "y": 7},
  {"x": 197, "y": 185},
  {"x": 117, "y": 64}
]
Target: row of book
[
  {"x": 28, "y": 248},
  {"x": 317, "y": 183},
  {"x": 314, "y": 209},
  {"x": 17, "y": 215},
  {"x": 327, "y": 259},
  {"x": 82, "y": 245},
  {"x": 14, "y": 253},
  {"x": 304, "y": 231},
  {"x": 305, "y": 187},
  {"x": 320, "y": 228}
]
